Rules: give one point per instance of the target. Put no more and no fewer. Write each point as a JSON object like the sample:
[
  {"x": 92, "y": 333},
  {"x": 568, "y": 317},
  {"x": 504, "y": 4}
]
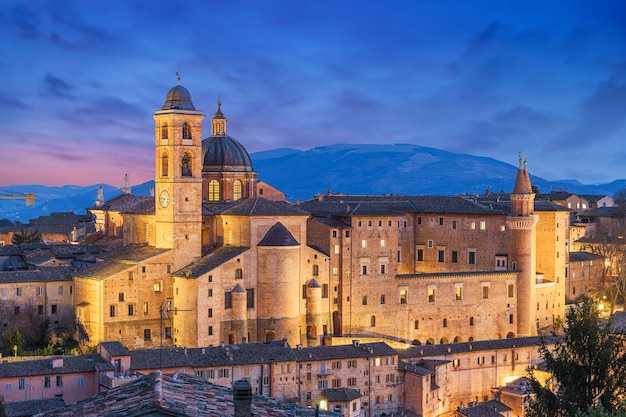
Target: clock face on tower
[{"x": 164, "y": 198}]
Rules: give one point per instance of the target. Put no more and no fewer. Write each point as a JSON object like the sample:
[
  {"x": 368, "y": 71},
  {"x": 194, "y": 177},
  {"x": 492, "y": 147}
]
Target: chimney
[{"x": 242, "y": 398}]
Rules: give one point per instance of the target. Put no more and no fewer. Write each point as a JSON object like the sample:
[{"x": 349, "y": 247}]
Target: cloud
[
  {"x": 601, "y": 115},
  {"x": 57, "y": 86}
]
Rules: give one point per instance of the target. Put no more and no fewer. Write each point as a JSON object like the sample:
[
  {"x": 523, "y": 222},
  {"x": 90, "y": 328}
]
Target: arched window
[
  {"x": 270, "y": 335},
  {"x": 186, "y": 130},
  {"x": 232, "y": 338},
  {"x": 164, "y": 131},
  {"x": 214, "y": 190},
  {"x": 236, "y": 190},
  {"x": 185, "y": 165},
  {"x": 164, "y": 165}
]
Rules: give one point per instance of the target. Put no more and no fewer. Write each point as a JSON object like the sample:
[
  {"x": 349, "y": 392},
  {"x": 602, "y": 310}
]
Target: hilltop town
[{"x": 361, "y": 305}]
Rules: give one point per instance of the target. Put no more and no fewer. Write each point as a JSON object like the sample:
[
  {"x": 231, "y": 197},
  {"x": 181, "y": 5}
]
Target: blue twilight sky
[{"x": 81, "y": 80}]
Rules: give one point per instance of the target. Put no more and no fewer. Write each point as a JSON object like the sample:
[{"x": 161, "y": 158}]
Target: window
[
  {"x": 483, "y": 225},
  {"x": 336, "y": 364},
  {"x": 250, "y": 298},
  {"x": 210, "y": 292},
  {"x": 445, "y": 322},
  {"x": 453, "y": 224},
  {"x": 164, "y": 165},
  {"x": 403, "y": 296},
  {"x": 21, "y": 383},
  {"x": 324, "y": 290},
  {"x": 441, "y": 257},
  {"x": 168, "y": 332},
  {"x": 420, "y": 255},
  {"x": 430, "y": 244},
  {"x": 441, "y": 221},
  {"x": 511, "y": 318},
  {"x": 416, "y": 325},
  {"x": 186, "y": 130},
  {"x": 54, "y": 309},
  {"x": 458, "y": 292},
  {"x": 112, "y": 311},
  {"x": 373, "y": 321},
  {"x": 352, "y": 383},
  {"x": 228, "y": 300},
  {"x": 238, "y": 273},
  {"x": 7, "y": 387},
  {"x": 210, "y": 313},
  {"x": 147, "y": 334},
  {"x": 60, "y": 289},
  {"x": 347, "y": 233},
  {"x": 352, "y": 363},
  {"x": 485, "y": 292},
  {"x": 158, "y": 286},
  {"x": 59, "y": 380},
  {"x": 185, "y": 165},
  {"x": 369, "y": 223},
  {"x": 46, "y": 382},
  {"x": 237, "y": 190},
  {"x": 210, "y": 278},
  {"x": 80, "y": 381},
  {"x": 4, "y": 293},
  {"x": 322, "y": 384},
  {"x": 336, "y": 383},
  {"x": 131, "y": 276},
  {"x": 431, "y": 295},
  {"x": 40, "y": 291},
  {"x": 337, "y": 249},
  {"x": 334, "y": 233},
  {"x": 456, "y": 363},
  {"x": 214, "y": 191},
  {"x": 363, "y": 269},
  {"x": 473, "y": 225},
  {"x": 471, "y": 321},
  {"x": 511, "y": 291},
  {"x": 382, "y": 243},
  {"x": 335, "y": 270},
  {"x": 18, "y": 291},
  {"x": 223, "y": 373},
  {"x": 364, "y": 243},
  {"x": 145, "y": 308},
  {"x": 316, "y": 270},
  {"x": 382, "y": 299},
  {"x": 40, "y": 310},
  {"x": 304, "y": 291},
  {"x": 210, "y": 331},
  {"x": 364, "y": 302},
  {"x": 121, "y": 297},
  {"x": 383, "y": 269},
  {"x": 471, "y": 257}
]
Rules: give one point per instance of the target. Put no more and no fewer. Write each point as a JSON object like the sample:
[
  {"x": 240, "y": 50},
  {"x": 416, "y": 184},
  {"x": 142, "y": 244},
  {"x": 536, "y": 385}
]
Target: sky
[{"x": 82, "y": 79}]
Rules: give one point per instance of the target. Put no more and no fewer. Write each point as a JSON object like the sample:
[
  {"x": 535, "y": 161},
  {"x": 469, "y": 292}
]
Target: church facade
[{"x": 218, "y": 256}]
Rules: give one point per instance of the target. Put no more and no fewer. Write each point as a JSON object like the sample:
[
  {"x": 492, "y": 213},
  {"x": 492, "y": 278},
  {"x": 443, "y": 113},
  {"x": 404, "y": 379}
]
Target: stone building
[{"x": 218, "y": 256}]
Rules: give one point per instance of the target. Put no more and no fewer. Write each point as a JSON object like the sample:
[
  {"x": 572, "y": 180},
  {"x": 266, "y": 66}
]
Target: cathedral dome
[
  {"x": 224, "y": 154},
  {"x": 178, "y": 98}
]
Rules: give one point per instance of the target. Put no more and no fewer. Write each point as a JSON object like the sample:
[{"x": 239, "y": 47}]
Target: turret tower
[{"x": 522, "y": 251}]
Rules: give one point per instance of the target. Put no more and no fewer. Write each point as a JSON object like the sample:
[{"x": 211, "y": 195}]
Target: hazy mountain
[{"x": 350, "y": 169}]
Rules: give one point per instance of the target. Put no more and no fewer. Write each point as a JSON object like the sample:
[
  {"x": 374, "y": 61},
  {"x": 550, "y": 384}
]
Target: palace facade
[{"x": 218, "y": 256}]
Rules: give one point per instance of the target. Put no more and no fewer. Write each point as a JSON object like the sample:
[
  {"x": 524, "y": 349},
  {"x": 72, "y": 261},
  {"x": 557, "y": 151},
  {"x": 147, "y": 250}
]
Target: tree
[
  {"x": 601, "y": 412},
  {"x": 13, "y": 338},
  {"x": 26, "y": 237},
  {"x": 587, "y": 368}
]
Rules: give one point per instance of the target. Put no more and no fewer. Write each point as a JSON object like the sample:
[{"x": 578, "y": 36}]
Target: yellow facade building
[{"x": 218, "y": 256}]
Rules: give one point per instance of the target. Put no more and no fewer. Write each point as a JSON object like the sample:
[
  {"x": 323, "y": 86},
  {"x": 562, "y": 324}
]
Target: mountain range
[{"x": 350, "y": 169}]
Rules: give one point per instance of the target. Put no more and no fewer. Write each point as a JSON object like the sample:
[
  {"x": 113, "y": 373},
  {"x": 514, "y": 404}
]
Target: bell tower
[
  {"x": 178, "y": 176},
  {"x": 522, "y": 250}
]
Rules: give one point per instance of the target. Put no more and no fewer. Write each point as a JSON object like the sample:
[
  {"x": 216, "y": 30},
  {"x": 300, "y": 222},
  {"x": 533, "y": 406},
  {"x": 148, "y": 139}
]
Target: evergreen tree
[
  {"x": 587, "y": 369},
  {"x": 26, "y": 237}
]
